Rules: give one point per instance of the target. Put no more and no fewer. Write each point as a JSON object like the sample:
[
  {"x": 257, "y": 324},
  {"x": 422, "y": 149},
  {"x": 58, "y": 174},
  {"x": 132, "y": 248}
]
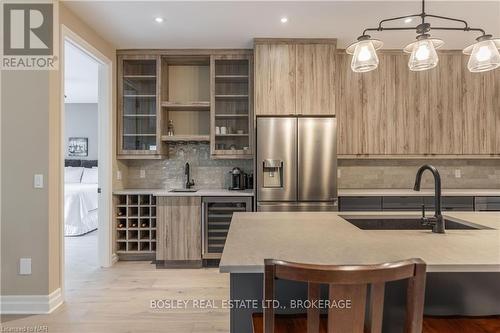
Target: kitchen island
[{"x": 463, "y": 265}]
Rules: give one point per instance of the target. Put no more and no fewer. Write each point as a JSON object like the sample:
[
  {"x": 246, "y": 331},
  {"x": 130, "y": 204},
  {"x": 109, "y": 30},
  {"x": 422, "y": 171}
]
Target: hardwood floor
[
  {"x": 118, "y": 299},
  {"x": 460, "y": 324}
]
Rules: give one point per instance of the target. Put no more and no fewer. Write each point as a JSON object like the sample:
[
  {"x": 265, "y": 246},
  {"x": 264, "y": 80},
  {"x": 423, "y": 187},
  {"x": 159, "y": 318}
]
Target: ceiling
[
  {"x": 233, "y": 24},
  {"x": 80, "y": 76}
]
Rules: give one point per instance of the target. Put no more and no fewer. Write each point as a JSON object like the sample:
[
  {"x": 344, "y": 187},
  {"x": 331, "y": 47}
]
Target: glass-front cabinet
[
  {"x": 231, "y": 104},
  {"x": 138, "y": 106}
]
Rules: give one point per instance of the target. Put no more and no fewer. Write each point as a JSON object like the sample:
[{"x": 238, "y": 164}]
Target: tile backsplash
[
  {"x": 169, "y": 173},
  {"x": 355, "y": 173},
  {"x": 401, "y": 173}
]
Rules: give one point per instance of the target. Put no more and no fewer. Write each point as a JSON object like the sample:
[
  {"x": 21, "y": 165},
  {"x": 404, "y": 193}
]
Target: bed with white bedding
[{"x": 80, "y": 200}]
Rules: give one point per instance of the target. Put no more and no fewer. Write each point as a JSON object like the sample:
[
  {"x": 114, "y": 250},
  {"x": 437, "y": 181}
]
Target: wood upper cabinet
[
  {"x": 446, "y": 117},
  {"x": 294, "y": 77},
  {"x": 315, "y": 79},
  {"x": 394, "y": 111},
  {"x": 350, "y": 123},
  {"x": 178, "y": 229},
  {"x": 412, "y": 112},
  {"x": 274, "y": 79},
  {"x": 139, "y": 115},
  {"x": 379, "y": 107},
  {"x": 481, "y": 108}
]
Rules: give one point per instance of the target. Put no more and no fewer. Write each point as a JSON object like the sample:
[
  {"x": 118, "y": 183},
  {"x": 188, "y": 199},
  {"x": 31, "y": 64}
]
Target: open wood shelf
[
  {"x": 194, "y": 106},
  {"x": 231, "y": 96},
  {"x": 139, "y": 76},
  {"x": 231, "y": 115},
  {"x": 231, "y": 77},
  {"x": 139, "y": 115},
  {"x": 139, "y": 134},
  {"x": 185, "y": 138},
  {"x": 135, "y": 226}
]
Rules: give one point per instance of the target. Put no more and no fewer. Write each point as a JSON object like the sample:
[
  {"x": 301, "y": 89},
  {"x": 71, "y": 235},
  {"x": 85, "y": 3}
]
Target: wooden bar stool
[{"x": 345, "y": 283}]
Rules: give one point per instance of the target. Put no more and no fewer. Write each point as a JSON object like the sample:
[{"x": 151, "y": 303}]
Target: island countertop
[{"x": 326, "y": 238}]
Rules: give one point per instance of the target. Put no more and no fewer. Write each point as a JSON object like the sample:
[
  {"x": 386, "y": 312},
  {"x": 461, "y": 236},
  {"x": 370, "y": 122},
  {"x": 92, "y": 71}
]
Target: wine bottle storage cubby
[{"x": 135, "y": 224}]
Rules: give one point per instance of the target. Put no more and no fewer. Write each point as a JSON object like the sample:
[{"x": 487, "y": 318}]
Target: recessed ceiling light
[
  {"x": 284, "y": 19},
  {"x": 408, "y": 20},
  {"x": 159, "y": 19}
]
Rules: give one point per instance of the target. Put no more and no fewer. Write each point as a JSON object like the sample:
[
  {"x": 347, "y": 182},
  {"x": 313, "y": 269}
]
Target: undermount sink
[
  {"x": 393, "y": 222},
  {"x": 190, "y": 190}
]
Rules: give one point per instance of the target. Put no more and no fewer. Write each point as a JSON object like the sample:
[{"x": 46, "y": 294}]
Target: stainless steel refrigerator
[{"x": 296, "y": 164}]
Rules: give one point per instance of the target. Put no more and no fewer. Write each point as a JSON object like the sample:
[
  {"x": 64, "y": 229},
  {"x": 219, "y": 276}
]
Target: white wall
[{"x": 81, "y": 121}]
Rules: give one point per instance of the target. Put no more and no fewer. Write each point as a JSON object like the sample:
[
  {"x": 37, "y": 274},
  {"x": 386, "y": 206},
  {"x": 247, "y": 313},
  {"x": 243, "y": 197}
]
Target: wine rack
[{"x": 135, "y": 225}]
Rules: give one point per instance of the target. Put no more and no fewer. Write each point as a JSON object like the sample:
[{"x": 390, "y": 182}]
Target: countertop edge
[
  {"x": 341, "y": 192},
  {"x": 462, "y": 268}
]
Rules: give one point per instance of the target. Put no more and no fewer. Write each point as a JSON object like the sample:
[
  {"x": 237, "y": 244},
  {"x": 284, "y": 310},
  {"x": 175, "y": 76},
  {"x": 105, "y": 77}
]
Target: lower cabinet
[
  {"x": 414, "y": 203},
  {"x": 487, "y": 203},
  {"x": 179, "y": 232},
  {"x": 355, "y": 204},
  {"x": 451, "y": 203}
]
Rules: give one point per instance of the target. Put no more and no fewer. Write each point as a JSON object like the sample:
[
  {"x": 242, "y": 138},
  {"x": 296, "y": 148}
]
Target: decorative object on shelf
[
  {"x": 484, "y": 54},
  {"x": 78, "y": 146},
  {"x": 170, "y": 128}
]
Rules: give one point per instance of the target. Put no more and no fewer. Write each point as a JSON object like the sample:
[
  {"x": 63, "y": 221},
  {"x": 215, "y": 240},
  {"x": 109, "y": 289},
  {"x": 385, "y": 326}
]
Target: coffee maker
[{"x": 237, "y": 181}]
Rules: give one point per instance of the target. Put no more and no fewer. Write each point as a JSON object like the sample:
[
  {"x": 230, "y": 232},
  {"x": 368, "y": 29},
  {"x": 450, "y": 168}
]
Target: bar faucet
[
  {"x": 189, "y": 183},
  {"x": 437, "y": 221}
]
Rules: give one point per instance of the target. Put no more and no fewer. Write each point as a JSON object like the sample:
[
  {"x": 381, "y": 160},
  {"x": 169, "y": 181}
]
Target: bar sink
[{"x": 397, "y": 222}]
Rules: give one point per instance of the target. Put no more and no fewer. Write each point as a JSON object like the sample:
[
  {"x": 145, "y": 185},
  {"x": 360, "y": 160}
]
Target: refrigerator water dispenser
[{"x": 272, "y": 173}]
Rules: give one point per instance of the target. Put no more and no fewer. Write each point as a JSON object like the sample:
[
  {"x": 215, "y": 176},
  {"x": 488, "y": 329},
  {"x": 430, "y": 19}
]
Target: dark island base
[{"x": 467, "y": 294}]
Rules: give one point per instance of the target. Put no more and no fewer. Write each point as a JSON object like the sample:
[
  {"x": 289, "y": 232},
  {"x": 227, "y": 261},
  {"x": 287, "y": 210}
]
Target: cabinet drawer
[
  {"x": 487, "y": 203},
  {"x": 402, "y": 203},
  {"x": 451, "y": 203},
  {"x": 360, "y": 203}
]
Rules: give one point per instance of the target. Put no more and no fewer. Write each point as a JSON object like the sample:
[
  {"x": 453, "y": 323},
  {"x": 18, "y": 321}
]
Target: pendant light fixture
[
  {"x": 484, "y": 54},
  {"x": 364, "y": 54}
]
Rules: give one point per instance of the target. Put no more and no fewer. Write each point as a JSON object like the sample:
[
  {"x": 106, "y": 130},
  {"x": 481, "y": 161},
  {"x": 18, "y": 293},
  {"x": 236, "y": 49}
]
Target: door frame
[{"x": 105, "y": 150}]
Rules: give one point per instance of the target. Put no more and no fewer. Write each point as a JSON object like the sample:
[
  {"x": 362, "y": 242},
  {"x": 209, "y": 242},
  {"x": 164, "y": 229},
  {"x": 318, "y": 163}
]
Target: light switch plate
[
  {"x": 25, "y": 266},
  {"x": 458, "y": 173},
  {"x": 142, "y": 173},
  {"x": 118, "y": 175},
  {"x": 38, "y": 181},
  {"x": 338, "y": 173}
]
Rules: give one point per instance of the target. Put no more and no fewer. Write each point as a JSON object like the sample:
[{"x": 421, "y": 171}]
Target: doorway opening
[
  {"x": 86, "y": 78},
  {"x": 81, "y": 162}
]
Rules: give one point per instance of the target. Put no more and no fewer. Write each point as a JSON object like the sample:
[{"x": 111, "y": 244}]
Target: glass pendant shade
[
  {"x": 364, "y": 55},
  {"x": 423, "y": 54},
  {"x": 484, "y": 56}
]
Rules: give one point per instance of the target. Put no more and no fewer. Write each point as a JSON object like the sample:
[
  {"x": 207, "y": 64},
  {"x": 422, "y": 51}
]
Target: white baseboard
[
  {"x": 31, "y": 304},
  {"x": 114, "y": 259}
]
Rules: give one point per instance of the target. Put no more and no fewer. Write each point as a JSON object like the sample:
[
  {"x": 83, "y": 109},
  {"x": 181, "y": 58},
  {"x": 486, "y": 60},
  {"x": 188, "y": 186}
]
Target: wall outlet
[
  {"x": 38, "y": 181},
  {"x": 118, "y": 175},
  {"x": 338, "y": 173},
  {"x": 458, "y": 173},
  {"x": 25, "y": 266},
  {"x": 142, "y": 173}
]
